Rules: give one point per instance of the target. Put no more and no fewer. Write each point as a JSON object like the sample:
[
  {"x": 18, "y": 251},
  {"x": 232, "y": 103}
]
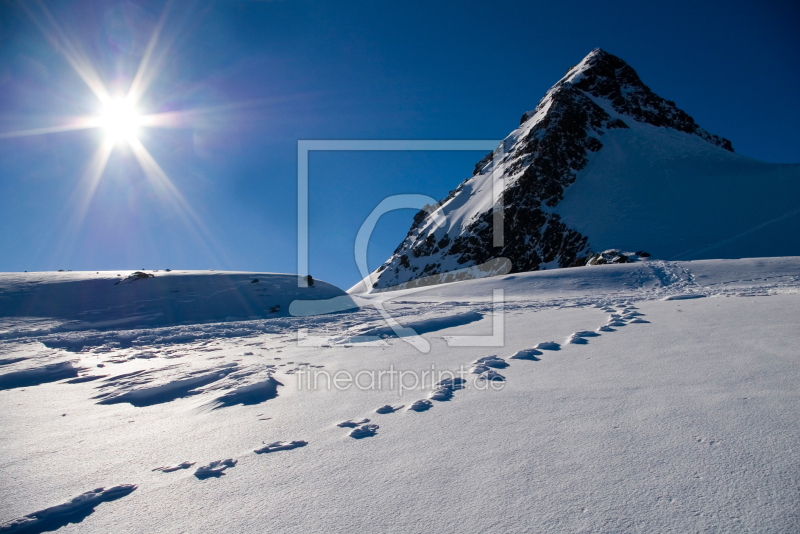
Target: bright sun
[{"x": 120, "y": 120}]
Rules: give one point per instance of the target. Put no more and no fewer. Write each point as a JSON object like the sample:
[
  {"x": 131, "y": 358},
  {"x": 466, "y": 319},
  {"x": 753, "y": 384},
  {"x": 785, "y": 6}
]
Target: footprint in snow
[
  {"x": 281, "y": 446},
  {"x": 441, "y": 394},
  {"x": 388, "y": 408},
  {"x": 421, "y": 405},
  {"x": 638, "y": 320},
  {"x": 492, "y": 361},
  {"x": 586, "y": 333},
  {"x": 527, "y": 354},
  {"x": 478, "y": 369},
  {"x": 352, "y": 424},
  {"x": 575, "y": 339},
  {"x": 215, "y": 469},
  {"x": 364, "y": 431},
  {"x": 606, "y": 328},
  {"x": 483, "y": 366},
  {"x": 492, "y": 376},
  {"x": 452, "y": 383},
  {"x": 444, "y": 389},
  {"x": 176, "y": 467},
  {"x": 548, "y": 345},
  {"x": 702, "y": 440}
]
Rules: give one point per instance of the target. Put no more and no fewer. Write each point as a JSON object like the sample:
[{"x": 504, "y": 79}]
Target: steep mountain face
[{"x": 600, "y": 124}]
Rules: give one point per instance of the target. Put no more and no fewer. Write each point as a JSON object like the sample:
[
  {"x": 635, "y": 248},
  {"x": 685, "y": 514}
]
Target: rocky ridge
[{"x": 536, "y": 163}]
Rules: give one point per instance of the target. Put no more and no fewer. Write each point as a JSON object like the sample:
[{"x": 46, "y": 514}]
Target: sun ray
[
  {"x": 121, "y": 121},
  {"x": 167, "y": 191},
  {"x": 142, "y": 79},
  {"x": 185, "y": 117},
  {"x": 59, "y": 40},
  {"x": 78, "y": 204},
  {"x": 81, "y": 123},
  {"x": 91, "y": 179}
]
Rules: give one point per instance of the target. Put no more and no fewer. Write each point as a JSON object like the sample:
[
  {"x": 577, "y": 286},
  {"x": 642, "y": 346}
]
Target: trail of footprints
[{"x": 486, "y": 368}]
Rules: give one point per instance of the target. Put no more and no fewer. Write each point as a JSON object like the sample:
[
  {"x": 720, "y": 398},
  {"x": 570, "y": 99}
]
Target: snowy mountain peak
[
  {"x": 607, "y": 77},
  {"x": 651, "y": 143},
  {"x": 574, "y": 73}
]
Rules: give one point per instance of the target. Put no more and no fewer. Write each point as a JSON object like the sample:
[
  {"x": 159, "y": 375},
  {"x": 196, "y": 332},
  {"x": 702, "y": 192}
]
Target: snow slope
[
  {"x": 602, "y": 163},
  {"x": 63, "y": 301},
  {"x": 680, "y": 198},
  {"x": 607, "y": 408}
]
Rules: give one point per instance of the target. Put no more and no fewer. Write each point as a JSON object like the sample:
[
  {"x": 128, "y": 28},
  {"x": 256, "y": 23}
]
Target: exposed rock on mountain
[{"x": 621, "y": 154}]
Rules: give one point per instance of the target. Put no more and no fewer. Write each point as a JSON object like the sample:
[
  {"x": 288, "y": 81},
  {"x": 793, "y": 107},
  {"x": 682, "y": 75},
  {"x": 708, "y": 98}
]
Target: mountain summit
[{"x": 601, "y": 164}]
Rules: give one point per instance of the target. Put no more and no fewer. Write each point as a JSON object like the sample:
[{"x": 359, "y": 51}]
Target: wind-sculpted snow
[
  {"x": 429, "y": 324},
  {"x": 548, "y": 288},
  {"x": 73, "y": 511},
  {"x": 39, "y": 375},
  {"x": 255, "y": 393},
  {"x": 126, "y": 389},
  {"x": 9, "y": 361},
  {"x": 241, "y": 385},
  {"x": 246, "y": 383},
  {"x": 608, "y": 406}
]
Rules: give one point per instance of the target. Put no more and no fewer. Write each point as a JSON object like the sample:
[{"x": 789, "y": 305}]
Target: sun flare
[{"x": 120, "y": 120}]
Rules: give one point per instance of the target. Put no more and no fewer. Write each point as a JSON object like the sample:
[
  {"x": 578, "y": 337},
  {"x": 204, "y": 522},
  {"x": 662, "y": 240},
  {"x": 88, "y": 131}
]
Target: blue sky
[{"x": 248, "y": 79}]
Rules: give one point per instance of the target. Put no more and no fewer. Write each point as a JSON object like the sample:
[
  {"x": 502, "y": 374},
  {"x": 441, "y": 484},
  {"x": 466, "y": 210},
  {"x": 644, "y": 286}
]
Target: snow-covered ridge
[
  {"x": 606, "y": 76},
  {"x": 63, "y": 301},
  {"x": 600, "y": 101}
]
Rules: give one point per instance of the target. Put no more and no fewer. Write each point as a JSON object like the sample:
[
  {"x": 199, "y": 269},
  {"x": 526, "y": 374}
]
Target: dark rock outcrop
[{"x": 537, "y": 162}]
